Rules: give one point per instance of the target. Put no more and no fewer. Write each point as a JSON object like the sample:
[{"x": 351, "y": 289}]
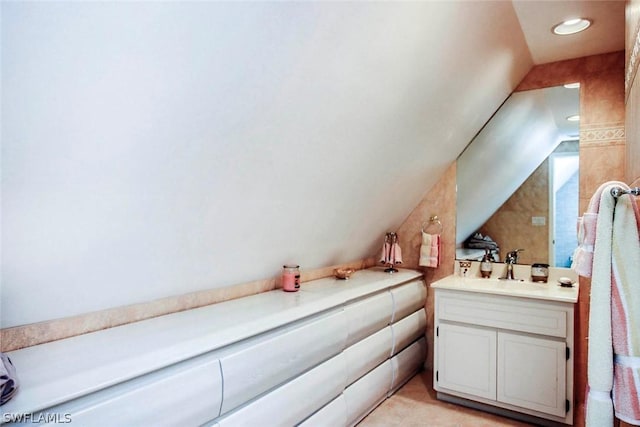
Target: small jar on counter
[
  {"x": 539, "y": 272},
  {"x": 291, "y": 278}
]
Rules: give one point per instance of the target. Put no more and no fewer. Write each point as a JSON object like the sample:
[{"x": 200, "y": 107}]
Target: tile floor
[{"x": 415, "y": 405}]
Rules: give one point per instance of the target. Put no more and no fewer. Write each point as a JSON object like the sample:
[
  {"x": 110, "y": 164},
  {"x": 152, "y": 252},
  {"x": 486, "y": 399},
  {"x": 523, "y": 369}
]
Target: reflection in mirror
[{"x": 517, "y": 181}]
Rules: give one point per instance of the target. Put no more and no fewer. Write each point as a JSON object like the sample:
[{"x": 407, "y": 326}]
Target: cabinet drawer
[
  {"x": 408, "y": 362},
  {"x": 261, "y": 364},
  {"x": 333, "y": 413},
  {"x": 407, "y": 299},
  {"x": 408, "y": 330},
  {"x": 366, "y": 393},
  {"x": 186, "y": 394},
  {"x": 365, "y": 355},
  {"x": 368, "y": 316},
  {"x": 292, "y": 402},
  {"x": 502, "y": 312}
]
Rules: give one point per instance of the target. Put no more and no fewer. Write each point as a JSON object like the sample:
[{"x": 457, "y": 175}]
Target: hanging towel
[
  {"x": 8, "y": 379},
  {"x": 599, "y": 407},
  {"x": 583, "y": 255},
  {"x": 614, "y": 315},
  {"x": 396, "y": 254},
  {"x": 430, "y": 250},
  {"x": 385, "y": 256},
  {"x": 625, "y": 310}
]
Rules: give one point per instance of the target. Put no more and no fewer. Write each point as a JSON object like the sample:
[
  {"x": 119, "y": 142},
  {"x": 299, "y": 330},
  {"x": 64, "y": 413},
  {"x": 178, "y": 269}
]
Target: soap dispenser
[{"x": 486, "y": 265}]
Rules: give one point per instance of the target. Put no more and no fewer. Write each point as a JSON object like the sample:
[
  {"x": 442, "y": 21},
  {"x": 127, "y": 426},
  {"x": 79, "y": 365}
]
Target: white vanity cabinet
[{"x": 505, "y": 352}]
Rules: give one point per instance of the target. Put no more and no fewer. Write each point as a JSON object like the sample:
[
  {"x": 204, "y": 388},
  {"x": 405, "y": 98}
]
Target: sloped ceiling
[{"x": 157, "y": 148}]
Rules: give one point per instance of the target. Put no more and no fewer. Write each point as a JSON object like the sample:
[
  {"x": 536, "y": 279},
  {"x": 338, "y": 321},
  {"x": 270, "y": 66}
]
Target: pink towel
[
  {"x": 614, "y": 313},
  {"x": 396, "y": 254},
  {"x": 391, "y": 254},
  {"x": 430, "y": 250},
  {"x": 583, "y": 256},
  {"x": 385, "y": 256}
]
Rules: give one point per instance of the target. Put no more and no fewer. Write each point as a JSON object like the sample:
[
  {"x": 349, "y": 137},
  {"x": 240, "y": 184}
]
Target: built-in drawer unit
[
  {"x": 333, "y": 413},
  {"x": 259, "y": 364},
  {"x": 408, "y": 330},
  {"x": 293, "y": 401},
  {"x": 365, "y": 355},
  {"x": 406, "y": 363},
  {"x": 368, "y": 392},
  {"x": 369, "y": 315},
  {"x": 170, "y": 397},
  {"x": 407, "y": 299},
  {"x": 320, "y": 356}
]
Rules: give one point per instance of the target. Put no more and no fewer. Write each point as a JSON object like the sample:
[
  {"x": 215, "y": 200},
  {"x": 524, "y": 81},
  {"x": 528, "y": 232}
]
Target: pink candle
[{"x": 291, "y": 278}]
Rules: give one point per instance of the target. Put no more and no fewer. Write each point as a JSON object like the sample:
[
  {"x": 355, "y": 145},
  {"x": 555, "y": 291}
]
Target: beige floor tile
[{"x": 415, "y": 405}]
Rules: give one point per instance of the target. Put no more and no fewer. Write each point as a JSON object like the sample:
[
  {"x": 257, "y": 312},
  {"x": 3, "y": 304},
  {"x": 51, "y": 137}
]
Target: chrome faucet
[{"x": 510, "y": 259}]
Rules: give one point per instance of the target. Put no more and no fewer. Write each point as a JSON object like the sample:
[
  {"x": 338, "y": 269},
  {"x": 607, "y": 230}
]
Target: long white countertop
[
  {"x": 550, "y": 291},
  {"x": 55, "y": 372}
]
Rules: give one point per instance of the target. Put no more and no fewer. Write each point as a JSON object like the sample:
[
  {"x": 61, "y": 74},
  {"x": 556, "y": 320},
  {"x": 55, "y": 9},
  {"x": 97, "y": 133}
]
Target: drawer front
[
  {"x": 185, "y": 394},
  {"x": 260, "y": 365},
  {"x": 292, "y": 402},
  {"x": 504, "y": 313},
  {"x": 366, "y": 393},
  {"x": 407, "y": 299},
  {"x": 365, "y": 355},
  {"x": 332, "y": 414},
  {"x": 408, "y": 362},
  {"x": 368, "y": 316},
  {"x": 408, "y": 330}
]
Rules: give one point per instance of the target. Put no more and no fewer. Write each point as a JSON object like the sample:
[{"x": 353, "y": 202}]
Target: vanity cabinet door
[
  {"x": 532, "y": 373},
  {"x": 466, "y": 360}
]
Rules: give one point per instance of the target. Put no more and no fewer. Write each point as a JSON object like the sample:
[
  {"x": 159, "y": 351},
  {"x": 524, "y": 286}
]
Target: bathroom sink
[{"x": 525, "y": 289}]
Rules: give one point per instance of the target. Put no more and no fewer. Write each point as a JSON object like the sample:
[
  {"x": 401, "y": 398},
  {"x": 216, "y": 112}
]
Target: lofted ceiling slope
[{"x": 156, "y": 148}]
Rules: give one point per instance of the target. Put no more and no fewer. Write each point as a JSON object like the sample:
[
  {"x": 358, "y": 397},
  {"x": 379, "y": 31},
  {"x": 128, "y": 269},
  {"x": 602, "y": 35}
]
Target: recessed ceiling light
[
  {"x": 574, "y": 118},
  {"x": 572, "y": 85},
  {"x": 571, "y": 26}
]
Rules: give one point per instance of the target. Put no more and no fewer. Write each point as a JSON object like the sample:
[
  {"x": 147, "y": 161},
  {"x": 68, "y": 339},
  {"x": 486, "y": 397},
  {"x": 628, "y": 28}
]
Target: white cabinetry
[
  {"x": 508, "y": 352},
  {"x": 326, "y": 355},
  {"x": 467, "y": 360},
  {"x": 532, "y": 373}
]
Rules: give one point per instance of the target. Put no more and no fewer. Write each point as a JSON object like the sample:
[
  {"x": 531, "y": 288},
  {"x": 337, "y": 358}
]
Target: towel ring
[{"x": 433, "y": 221}]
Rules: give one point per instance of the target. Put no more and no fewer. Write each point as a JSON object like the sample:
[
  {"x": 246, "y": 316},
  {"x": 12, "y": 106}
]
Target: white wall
[{"x": 157, "y": 148}]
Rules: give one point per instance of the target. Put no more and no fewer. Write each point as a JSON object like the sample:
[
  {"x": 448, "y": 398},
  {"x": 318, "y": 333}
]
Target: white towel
[
  {"x": 430, "y": 250},
  {"x": 600, "y": 353},
  {"x": 625, "y": 310}
]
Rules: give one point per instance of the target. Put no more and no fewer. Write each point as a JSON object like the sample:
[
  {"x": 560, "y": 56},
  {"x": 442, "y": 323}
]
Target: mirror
[{"x": 517, "y": 181}]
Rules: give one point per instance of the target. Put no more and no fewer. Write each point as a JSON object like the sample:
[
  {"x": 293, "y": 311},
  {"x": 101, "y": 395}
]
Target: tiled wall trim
[
  {"x": 607, "y": 132},
  {"x": 38, "y": 333}
]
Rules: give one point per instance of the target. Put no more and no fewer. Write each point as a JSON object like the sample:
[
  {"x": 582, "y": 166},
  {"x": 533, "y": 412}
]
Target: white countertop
[
  {"x": 55, "y": 372},
  {"x": 550, "y": 291}
]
